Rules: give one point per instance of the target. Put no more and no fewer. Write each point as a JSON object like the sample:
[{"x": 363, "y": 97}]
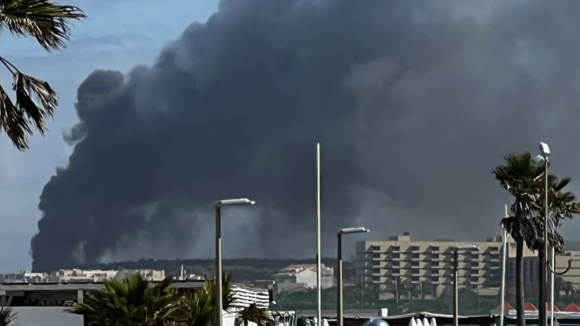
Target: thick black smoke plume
[{"x": 414, "y": 104}]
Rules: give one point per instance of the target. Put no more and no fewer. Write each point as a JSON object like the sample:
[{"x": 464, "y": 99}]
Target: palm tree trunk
[
  {"x": 520, "y": 283},
  {"x": 542, "y": 287}
]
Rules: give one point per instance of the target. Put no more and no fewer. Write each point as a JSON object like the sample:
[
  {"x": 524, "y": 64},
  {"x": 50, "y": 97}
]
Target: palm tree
[
  {"x": 49, "y": 24},
  {"x": 132, "y": 301},
  {"x": 199, "y": 307},
  {"x": 255, "y": 314},
  {"x": 525, "y": 182},
  {"x": 227, "y": 293},
  {"x": 7, "y": 316}
]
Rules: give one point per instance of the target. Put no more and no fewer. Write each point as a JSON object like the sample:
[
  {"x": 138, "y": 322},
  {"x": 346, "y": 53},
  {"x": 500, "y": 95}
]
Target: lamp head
[
  {"x": 234, "y": 202},
  {"x": 545, "y": 150},
  {"x": 467, "y": 247},
  {"x": 353, "y": 230}
]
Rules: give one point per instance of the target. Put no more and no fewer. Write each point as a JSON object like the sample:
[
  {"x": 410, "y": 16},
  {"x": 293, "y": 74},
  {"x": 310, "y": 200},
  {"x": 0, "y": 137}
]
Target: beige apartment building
[{"x": 428, "y": 262}]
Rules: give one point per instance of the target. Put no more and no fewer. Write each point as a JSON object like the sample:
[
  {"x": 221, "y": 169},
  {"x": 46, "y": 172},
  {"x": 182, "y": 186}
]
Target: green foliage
[
  {"x": 255, "y": 314},
  {"x": 131, "y": 301},
  {"x": 134, "y": 301}
]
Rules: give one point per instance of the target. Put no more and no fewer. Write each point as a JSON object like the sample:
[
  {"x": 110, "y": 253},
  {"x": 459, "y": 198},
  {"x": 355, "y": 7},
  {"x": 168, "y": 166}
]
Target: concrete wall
[{"x": 45, "y": 316}]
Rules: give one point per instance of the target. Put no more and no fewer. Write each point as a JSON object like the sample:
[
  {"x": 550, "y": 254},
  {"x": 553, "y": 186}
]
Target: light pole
[
  {"x": 553, "y": 271},
  {"x": 456, "y": 279},
  {"x": 339, "y": 234},
  {"x": 218, "y": 252},
  {"x": 545, "y": 159}
]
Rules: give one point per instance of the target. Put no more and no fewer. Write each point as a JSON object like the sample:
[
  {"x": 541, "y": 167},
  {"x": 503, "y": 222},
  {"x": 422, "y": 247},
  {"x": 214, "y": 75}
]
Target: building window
[
  {"x": 396, "y": 271},
  {"x": 474, "y": 279},
  {"x": 375, "y": 248},
  {"x": 433, "y": 248},
  {"x": 416, "y": 256},
  {"x": 435, "y": 264},
  {"x": 474, "y": 264},
  {"x": 494, "y": 248},
  {"x": 415, "y": 271},
  {"x": 474, "y": 256},
  {"x": 376, "y": 278},
  {"x": 434, "y": 272},
  {"x": 396, "y": 263},
  {"x": 376, "y": 256},
  {"x": 376, "y": 263},
  {"x": 415, "y": 264},
  {"x": 415, "y": 278},
  {"x": 395, "y": 248},
  {"x": 376, "y": 271},
  {"x": 435, "y": 279},
  {"x": 396, "y": 256},
  {"x": 434, "y": 256},
  {"x": 414, "y": 248}
]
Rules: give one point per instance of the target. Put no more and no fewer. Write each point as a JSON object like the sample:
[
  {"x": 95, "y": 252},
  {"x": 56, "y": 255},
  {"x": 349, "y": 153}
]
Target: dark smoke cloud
[{"x": 414, "y": 102}]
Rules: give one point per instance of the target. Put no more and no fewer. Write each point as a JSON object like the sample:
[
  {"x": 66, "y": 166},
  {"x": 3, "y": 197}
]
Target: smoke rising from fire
[{"x": 414, "y": 104}]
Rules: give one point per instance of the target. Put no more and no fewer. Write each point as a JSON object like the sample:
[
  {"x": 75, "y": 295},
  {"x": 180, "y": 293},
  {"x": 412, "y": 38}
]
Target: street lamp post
[
  {"x": 218, "y": 252},
  {"x": 339, "y": 318},
  {"x": 552, "y": 270},
  {"x": 456, "y": 279},
  {"x": 544, "y": 158}
]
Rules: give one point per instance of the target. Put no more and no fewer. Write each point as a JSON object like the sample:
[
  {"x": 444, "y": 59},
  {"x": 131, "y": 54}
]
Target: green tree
[
  {"x": 525, "y": 182},
  {"x": 132, "y": 301},
  {"x": 49, "y": 24}
]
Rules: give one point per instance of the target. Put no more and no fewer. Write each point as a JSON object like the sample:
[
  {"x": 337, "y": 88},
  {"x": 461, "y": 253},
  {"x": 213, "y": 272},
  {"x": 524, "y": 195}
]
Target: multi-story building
[{"x": 404, "y": 261}]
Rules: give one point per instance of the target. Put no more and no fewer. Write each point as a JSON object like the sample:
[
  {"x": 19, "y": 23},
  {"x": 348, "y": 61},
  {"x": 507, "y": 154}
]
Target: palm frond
[
  {"x": 132, "y": 301},
  {"x": 46, "y": 21},
  {"x": 35, "y": 102},
  {"x": 255, "y": 314},
  {"x": 7, "y": 316}
]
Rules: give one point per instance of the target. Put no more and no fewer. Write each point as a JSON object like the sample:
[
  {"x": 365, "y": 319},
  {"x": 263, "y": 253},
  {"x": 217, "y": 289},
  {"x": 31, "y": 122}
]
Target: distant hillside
[{"x": 244, "y": 270}]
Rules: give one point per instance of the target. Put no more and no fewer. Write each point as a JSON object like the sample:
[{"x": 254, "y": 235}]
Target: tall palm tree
[
  {"x": 132, "y": 301},
  {"x": 522, "y": 180},
  {"x": 49, "y": 24},
  {"x": 525, "y": 223},
  {"x": 255, "y": 314}
]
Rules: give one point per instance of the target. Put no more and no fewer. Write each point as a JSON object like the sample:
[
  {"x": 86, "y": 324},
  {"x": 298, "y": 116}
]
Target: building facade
[
  {"x": 302, "y": 276},
  {"x": 564, "y": 283},
  {"x": 405, "y": 261}
]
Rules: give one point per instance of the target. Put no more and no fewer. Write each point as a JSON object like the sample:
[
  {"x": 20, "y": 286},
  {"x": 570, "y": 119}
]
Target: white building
[
  {"x": 300, "y": 276},
  {"x": 78, "y": 275}
]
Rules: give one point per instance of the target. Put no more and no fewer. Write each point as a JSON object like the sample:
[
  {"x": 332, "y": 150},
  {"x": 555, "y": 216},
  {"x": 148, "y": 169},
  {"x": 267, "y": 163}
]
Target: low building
[
  {"x": 79, "y": 276},
  {"x": 302, "y": 276}
]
